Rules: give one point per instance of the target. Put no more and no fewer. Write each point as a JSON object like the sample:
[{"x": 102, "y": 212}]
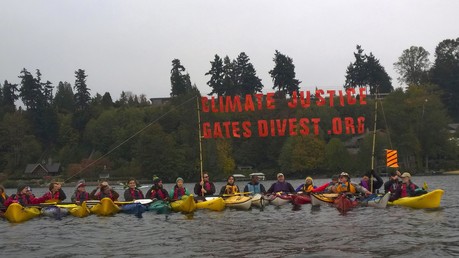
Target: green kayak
[{"x": 160, "y": 207}]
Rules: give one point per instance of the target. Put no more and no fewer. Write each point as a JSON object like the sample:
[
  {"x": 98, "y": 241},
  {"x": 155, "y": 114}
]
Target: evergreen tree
[
  {"x": 413, "y": 66},
  {"x": 366, "y": 71},
  {"x": 283, "y": 74},
  {"x": 246, "y": 78},
  {"x": 64, "y": 101},
  {"x": 229, "y": 78},
  {"x": 216, "y": 76},
  {"x": 82, "y": 95},
  {"x": 180, "y": 82},
  {"x": 31, "y": 90},
  {"x": 8, "y": 96},
  {"x": 107, "y": 100}
]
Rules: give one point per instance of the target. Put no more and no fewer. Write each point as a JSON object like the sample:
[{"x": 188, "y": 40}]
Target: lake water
[{"x": 274, "y": 232}]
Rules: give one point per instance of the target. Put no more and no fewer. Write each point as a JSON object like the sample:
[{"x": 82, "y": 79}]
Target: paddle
[
  {"x": 141, "y": 201},
  {"x": 242, "y": 193}
]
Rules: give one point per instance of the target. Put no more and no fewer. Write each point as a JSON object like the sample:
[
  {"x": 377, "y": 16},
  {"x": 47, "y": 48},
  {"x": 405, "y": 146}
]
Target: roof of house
[{"x": 50, "y": 168}]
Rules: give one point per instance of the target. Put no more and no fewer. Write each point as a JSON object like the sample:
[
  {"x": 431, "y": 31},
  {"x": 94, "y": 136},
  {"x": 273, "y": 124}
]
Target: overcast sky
[{"x": 129, "y": 45}]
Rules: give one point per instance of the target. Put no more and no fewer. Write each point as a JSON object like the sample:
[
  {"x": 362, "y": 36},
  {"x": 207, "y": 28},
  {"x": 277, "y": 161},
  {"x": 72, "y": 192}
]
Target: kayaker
[
  {"x": 407, "y": 188},
  {"x": 157, "y": 191},
  {"x": 281, "y": 186},
  {"x": 105, "y": 191},
  {"x": 205, "y": 187},
  {"x": 254, "y": 186},
  {"x": 80, "y": 195},
  {"x": 23, "y": 196},
  {"x": 230, "y": 187},
  {"x": 3, "y": 197},
  {"x": 132, "y": 193},
  {"x": 377, "y": 181},
  {"x": 326, "y": 188},
  {"x": 307, "y": 187},
  {"x": 392, "y": 185},
  {"x": 55, "y": 193},
  {"x": 179, "y": 190},
  {"x": 346, "y": 186}
]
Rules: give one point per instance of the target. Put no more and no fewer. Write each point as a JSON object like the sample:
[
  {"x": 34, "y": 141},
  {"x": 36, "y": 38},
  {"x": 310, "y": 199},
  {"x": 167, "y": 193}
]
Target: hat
[
  {"x": 80, "y": 185},
  {"x": 156, "y": 180},
  {"x": 178, "y": 178},
  {"x": 308, "y": 178},
  {"x": 279, "y": 174},
  {"x": 344, "y": 174},
  {"x": 406, "y": 174}
]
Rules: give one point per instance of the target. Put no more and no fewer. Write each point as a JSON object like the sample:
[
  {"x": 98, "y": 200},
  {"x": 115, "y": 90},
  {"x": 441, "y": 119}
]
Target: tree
[
  {"x": 229, "y": 78},
  {"x": 283, "y": 74},
  {"x": 64, "y": 101},
  {"x": 8, "y": 96},
  {"x": 366, "y": 71},
  {"x": 413, "y": 66},
  {"x": 107, "y": 100},
  {"x": 247, "y": 80},
  {"x": 180, "y": 82},
  {"x": 31, "y": 91},
  {"x": 82, "y": 95},
  {"x": 336, "y": 156},
  {"x": 216, "y": 76},
  {"x": 302, "y": 154},
  {"x": 445, "y": 73}
]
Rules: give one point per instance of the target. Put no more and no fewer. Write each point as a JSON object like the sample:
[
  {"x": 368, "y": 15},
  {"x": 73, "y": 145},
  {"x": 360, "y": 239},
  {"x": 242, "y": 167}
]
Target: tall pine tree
[
  {"x": 180, "y": 83},
  {"x": 216, "y": 76},
  {"x": 283, "y": 74},
  {"x": 82, "y": 95},
  {"x": 247, "y": 80}
]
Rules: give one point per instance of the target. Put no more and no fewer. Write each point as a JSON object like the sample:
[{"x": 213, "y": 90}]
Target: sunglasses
[{"x": 206, "y": 177}]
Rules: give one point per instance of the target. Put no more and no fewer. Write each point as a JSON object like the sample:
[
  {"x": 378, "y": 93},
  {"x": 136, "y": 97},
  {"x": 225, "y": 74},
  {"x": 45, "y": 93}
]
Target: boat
[
  {"x": 318, "y": 199},
  {"x": 105, "y": 207},
  {"x": 430, "y": 200},
  {"x": 16, "y": 213},
  {"x": 377, "y": 201},
  {"x": 211, "y": 203},
  {"x": 261, "y": 176},
  {"x": 343, "y": 203},
  {"x": 80, "y": 211},
  {"x": 134, "y": 208},
  {"x": 259, "y": 201},
  {"x": 185, "y": 205},
  {"x": 279, "y": 200},
  {"x": 239, "y": 177},
  {"x": 160, "y": 207},
  {"x": 239, "y": 202},
  {"x": 300, "y": 199},
  {"x": 54, "y": 211}
]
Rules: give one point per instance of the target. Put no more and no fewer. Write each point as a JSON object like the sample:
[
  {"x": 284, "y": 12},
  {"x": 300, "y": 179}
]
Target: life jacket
[
  {"x": 81, "y": 196},
  {"x": 3, "y": 198},
  {"x": 136, "y": 194},
  {"x": 346, "y": 187},
  {"x": 51, "y": 196},
  {"x": 255, "y": 189},
  {"x": 407, "y": 190},
  {"x": 22, "y": 199},
  {"x": 100, "y": 195},
  {"x": 231, "y": 189},
  {"x": 307, "y": 188},
  {"x": 157, "y": 193},
  {"x": 207, "y": 186},
  {"x": 393, "y": 185},
  {"x": 179, "y": 192}
]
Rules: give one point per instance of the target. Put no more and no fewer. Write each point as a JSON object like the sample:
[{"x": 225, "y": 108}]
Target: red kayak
[
  {"x": 300, "y": 199},
  {"x": 344, "y": 204}
]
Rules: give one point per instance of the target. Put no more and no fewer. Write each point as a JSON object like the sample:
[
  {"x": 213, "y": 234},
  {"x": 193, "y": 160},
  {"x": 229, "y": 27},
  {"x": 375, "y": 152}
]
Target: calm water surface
[{"x": 274, "y": 232}]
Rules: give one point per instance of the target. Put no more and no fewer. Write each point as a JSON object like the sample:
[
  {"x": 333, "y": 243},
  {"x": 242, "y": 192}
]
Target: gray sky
[{"x": 129, "y": 45}]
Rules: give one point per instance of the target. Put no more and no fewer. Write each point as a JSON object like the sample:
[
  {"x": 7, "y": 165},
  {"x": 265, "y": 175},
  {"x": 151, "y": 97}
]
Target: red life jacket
[
  {"x": 81, "y": 196},
  {"x": 207, "y": 186},
  {"x": 407, "y": 190},
  {"x": 50, "y": 196},
  {"x": 136, "y": 194},
  {"x": 179, "y": 192},
  {"x": 158, "y": 194}
]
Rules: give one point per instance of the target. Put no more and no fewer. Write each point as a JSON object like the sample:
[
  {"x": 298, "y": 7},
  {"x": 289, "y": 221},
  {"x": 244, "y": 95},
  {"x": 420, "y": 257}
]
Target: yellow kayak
[
  {"x": 212, "y": 203},
  {"x": 429, "y": 200},
  {"x": 80, "y": 211},
  {"x": 239, "y": 202},
  {"x": 17, "y": 214},
  {"x": 106, "y": 207},
  {"x": 186, "y": 205}
]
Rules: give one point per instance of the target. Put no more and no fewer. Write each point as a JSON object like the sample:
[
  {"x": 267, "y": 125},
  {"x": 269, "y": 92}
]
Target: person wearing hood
[
  {"x": 132, "y": 193},
  {"x": 23, "y": 196},
  {"x": 80, "y": 195},
  {"x": 55, "y": 193},
  {"x": 230, "y": 187},
  {"x": 179, "y": 190},
  {"x": 307, "y": 187},
  {"x": 105, "y": 191},
  {"x": 157, "y": 191},
  {"x": 366, "y": 181},
  {"x": 281, "y": 186},
  {"x": 346, "y": 186}
]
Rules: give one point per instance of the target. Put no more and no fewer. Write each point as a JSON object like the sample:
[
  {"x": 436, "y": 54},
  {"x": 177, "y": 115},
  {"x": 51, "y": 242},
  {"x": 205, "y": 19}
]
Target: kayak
[
  {"x": 239, "y": 202},
  {"x": 430, "y": 200},
  {"x": 279, "y": 200},
  {"x": 105, "y": 207},
  {"x": 344, "y": 204},
  {"x": 134, "y": 208},
  {"x": 80, "y": 211},
  {"x": 377, "y": 201},
  {"x": 16, "y": 213},
  {"x": 318, "y": 199},
  {"x": 299, "y": 199},
  {"x": 185, "y": 205},
  {"x": 54, "y": 212},
  {"x": 211, "y": 203},
  {"x": 259, "y": 201},
  {"x": 160, "y": 207}
]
